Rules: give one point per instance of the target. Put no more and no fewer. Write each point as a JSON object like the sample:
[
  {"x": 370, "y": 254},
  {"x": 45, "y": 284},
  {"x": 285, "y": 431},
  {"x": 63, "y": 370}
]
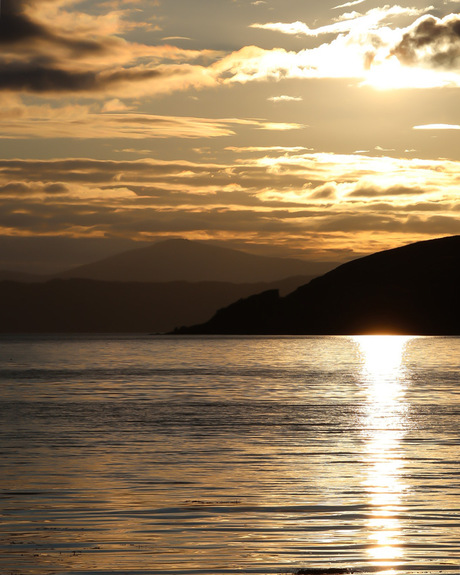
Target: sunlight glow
[
  {"x": 384, "y": 427},
  {"x": 390, "y": 74},
  {"x": 382, "y": 357},
  {"x": 437, "y": 127}
]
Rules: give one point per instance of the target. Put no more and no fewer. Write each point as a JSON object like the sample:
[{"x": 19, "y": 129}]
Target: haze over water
[{"x": 233, "y": 455}]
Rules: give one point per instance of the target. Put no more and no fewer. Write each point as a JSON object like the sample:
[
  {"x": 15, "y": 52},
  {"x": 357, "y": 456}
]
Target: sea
[{"x": 136, "y": 454}]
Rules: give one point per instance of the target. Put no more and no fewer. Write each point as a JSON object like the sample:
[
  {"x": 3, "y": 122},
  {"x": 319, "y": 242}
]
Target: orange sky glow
[{"x": 317, "y": 130}]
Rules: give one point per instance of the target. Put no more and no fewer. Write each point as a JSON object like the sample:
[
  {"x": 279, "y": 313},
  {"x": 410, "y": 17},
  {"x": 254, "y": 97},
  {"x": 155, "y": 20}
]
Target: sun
[
  {"x": 382, "y": 354},
  {"x": 390, "y": 74}
]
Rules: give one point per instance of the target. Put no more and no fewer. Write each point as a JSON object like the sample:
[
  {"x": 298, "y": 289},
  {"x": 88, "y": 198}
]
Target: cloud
[
  {"x": 71, "y": 70},
  {"x": 421, "y": 55},
  {"x": 364, "y": 56},
  {"x": 346, "y": 23},
  {"x": 82, "y": 122},
  {"x": 115, "y": 105},
  {"x": 50, "y": 78},
  {"x": 49, "y": 50},
  {"x": 431, "y": 42},
  {"x": 261, "y": 195},
  {"x": 437, "y": 127},
  {"x": 380, "y": 149},
  {"x": 282, "y": 149},
  {"x": 348, "y": 4},
  {"x": 285, "y": 99},
  {"x": 21, "y": 28},
  {"x": 392, "y": 191},
  {"x": 267, "y": 196},
  {"x": 17, "y": 189},
  {"x": 40, "y": 78},
  {"x": 325, "y": 192}
]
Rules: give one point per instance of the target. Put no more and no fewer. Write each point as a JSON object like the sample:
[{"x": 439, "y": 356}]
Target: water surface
[{"x": 229, "y": 455}]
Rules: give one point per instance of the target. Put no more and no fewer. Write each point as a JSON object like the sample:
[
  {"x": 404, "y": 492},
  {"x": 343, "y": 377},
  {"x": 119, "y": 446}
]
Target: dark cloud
[
  {"x": 148, "y": 195},
  {"x": 26, "y": 188},
  {"x": 39, "y": 78},
  {"x": 402, "y": 209},
  {"x": 15, "y": 188},
  {"x": 170, "y": 173},
  {"x": 445, "y": 225},
  {"x": 360, "y": 223},
  {"x": 437, "y": 224},
  {"x": 367, "y": 192},
  {"x": 47, "y": 59},
  {"x": 56, "y": 189},
  {"x": 326, "y": 192},
  {"x": 17, "y": 28},
  {"x": 431, "y": 42},
  {"x": 41, "y": 217},
  {"x": 107, "y": 171}
]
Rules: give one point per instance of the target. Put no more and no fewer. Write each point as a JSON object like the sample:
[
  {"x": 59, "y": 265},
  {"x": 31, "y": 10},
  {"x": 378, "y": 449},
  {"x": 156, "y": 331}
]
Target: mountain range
[
  {"x": 411, "y": 289},
  {"x": 192, "y": 261},
  {"x": 153, "y": 289},
  {"x": 408, "y": 290}
]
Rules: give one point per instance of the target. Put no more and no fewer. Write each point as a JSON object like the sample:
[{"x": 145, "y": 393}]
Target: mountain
[
  {"x": 185, "y": 260},
  {"x": 81, "y": 305},
  {"x": 7, "y": 275},
  {"x": 410, "y": 290}
]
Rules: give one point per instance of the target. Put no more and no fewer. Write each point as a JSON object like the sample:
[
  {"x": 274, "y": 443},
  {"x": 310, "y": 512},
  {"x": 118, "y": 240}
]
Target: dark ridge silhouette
[
  {"x": 185, "y": 260},
  {"x": 80, "y": 305},
  {"x": 408, "y": 290}
]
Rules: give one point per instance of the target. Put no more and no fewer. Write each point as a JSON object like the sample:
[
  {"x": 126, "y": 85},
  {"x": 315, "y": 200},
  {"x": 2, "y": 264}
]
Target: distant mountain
[
  {"x": 185, "y": 260},
  {"x": 409, "y": 290},
  {"x": 81, "y": 305},
  {"x": 6, "y": 275}
]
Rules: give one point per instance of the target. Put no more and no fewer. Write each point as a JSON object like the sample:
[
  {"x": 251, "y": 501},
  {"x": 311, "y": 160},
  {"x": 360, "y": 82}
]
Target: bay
[{"x": 136, "y": 454}]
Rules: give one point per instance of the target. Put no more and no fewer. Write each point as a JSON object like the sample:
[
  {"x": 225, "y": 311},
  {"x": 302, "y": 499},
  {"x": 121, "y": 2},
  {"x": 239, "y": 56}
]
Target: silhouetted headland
[{"x": 407, "y": 290}]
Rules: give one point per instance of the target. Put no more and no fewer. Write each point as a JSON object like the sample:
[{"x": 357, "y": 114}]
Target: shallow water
[{"x": 229, "y": 455}]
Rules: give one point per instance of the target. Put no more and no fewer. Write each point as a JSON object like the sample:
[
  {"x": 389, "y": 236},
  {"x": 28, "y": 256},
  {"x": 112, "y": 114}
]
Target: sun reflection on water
[{"x": 384, "y": 427}]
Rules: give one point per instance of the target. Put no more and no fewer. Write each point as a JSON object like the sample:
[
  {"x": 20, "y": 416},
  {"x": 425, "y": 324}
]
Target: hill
[
  {"x": 411, "y": 290},
  {"x": 185, "y": 260},
  {"x": 80, "y": 305},
  {"x": 7, "y": 275}
]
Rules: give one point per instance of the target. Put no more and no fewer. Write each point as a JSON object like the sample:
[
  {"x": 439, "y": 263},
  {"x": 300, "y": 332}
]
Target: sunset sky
[{"x": 305, "y": 128}]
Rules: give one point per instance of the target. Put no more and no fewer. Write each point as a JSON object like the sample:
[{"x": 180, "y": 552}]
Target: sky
[{"x": 303, "y": 128}]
